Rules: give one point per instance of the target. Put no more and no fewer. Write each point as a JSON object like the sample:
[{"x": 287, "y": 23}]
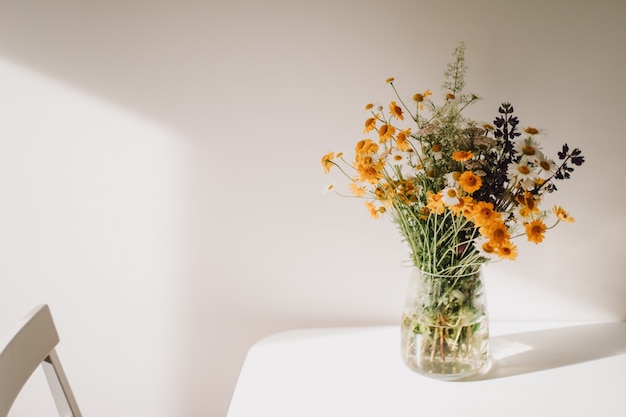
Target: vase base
[{"x": 451, "y": 372}]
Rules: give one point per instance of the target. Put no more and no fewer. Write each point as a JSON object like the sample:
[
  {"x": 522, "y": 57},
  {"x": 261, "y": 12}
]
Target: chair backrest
[{"x": 32, "y": 343}]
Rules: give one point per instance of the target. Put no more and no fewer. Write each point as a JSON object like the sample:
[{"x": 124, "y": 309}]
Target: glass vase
[{"x": 445, "y": 328}]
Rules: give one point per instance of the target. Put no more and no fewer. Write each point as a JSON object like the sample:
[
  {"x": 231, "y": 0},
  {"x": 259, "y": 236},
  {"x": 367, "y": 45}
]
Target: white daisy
[
  {"x": 519, "y": 172},
  {"x": 528, "y": 148},
  {"x": 450, "y": 196},
  {"x": 452, "y": 179},
  {"x": 546, "y": 167},
  {"x": 398, "y": 157},
  {"x": 411, "y": 172},
  {"x": 435, "y": 152}
]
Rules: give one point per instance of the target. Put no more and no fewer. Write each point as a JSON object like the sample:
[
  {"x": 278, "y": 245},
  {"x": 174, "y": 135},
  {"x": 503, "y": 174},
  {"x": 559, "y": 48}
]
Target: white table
[{"x": 538, "y": 369}]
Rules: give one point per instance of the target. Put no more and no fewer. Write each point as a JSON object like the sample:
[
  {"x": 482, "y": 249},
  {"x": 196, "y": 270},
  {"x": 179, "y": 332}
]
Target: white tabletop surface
[{"x": 538, "y": 369}]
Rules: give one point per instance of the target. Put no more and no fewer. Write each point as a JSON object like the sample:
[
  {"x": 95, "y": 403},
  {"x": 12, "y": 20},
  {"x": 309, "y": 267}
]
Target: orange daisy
[
  {"x": 395, "y": 110},
  {"x": 435, "y": 203},
  {"x": 366, "y": 147},
  {"x": 357, "y": 190},
  {"x": 496, "y": 232},
  {"x": 386, "y": 132},
  {"x": 464, "y": 207},
  {"x": 562, "y": 214},
  {"x": 374, "y": 211},
  {"x": 402, "y": 142},
  {"x": 484, "y": 213},
  {"x": 461, "y": 156},
  {"x": 470, "y": 182},
  {"x": 507, "y": 250},
  {"x": 327, "y": 161},
  {"x": 370, "y": 124},
  {"x": 535, "y": 231}
]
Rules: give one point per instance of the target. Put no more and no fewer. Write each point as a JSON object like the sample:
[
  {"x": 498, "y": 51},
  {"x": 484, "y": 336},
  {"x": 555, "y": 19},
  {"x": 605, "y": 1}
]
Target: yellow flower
[
  {"x": 488, "y": 248},
  {"x": 535, "y": 231},
  {"x": 530, "y": 201},
  {"x": 407, "y": 192},
  {"x": 372, "y": 209},
  {"x": 389, "y": 80},
  {"x": 386, "y": 132},
  {"x": 470, "y": 182},
  {"x": 483, "y": 213},
  {"x": 464, "y": 207},
  {"x": 435, "y": 203},
  {"x": 496, "y": 232},
  {"x": 525, "y": 212},
  {"x": 460, "y": 156},
  {"x": 327, "y": 161},
  {"x": 385, "y": 192},
  {"x": 365, "y": 147},
  {"x": 357, "y": 190},
  {"x": 419, "y": 98},
  {"x": 369, "y": 174},
  {"x": 395, "y": 110},
  {"x": 450, "y": 96},
  {"x": 369, "y": 106},
  {"x": 423, "y": 213},
  {"x": 374, "y": 212},
  {"x": 507, "y": 250},
  {"x": 562, "y": 214},
  {"x": 367, "y": 167},
  {"x": 370, "y": 124},
  {"x": 401, "y": 140},
  {"x": 531, "y": 130}
]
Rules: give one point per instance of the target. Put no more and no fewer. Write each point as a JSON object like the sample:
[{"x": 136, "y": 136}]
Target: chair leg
[{"x": 60, "y": 387}]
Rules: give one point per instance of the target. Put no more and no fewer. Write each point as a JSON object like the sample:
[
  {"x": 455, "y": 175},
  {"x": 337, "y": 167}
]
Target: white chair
[{"x": 30, "y": 344}]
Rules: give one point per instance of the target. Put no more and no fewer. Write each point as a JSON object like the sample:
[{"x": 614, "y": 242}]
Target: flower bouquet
[{"x": 460, "y": 191}]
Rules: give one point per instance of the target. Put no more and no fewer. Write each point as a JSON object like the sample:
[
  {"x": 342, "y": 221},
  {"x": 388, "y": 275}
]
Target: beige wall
[{"x": 162, "y": 191}]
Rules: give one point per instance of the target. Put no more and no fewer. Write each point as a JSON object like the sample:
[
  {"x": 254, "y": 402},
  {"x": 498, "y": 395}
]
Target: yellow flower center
[{"x": 523, "y": 169}]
